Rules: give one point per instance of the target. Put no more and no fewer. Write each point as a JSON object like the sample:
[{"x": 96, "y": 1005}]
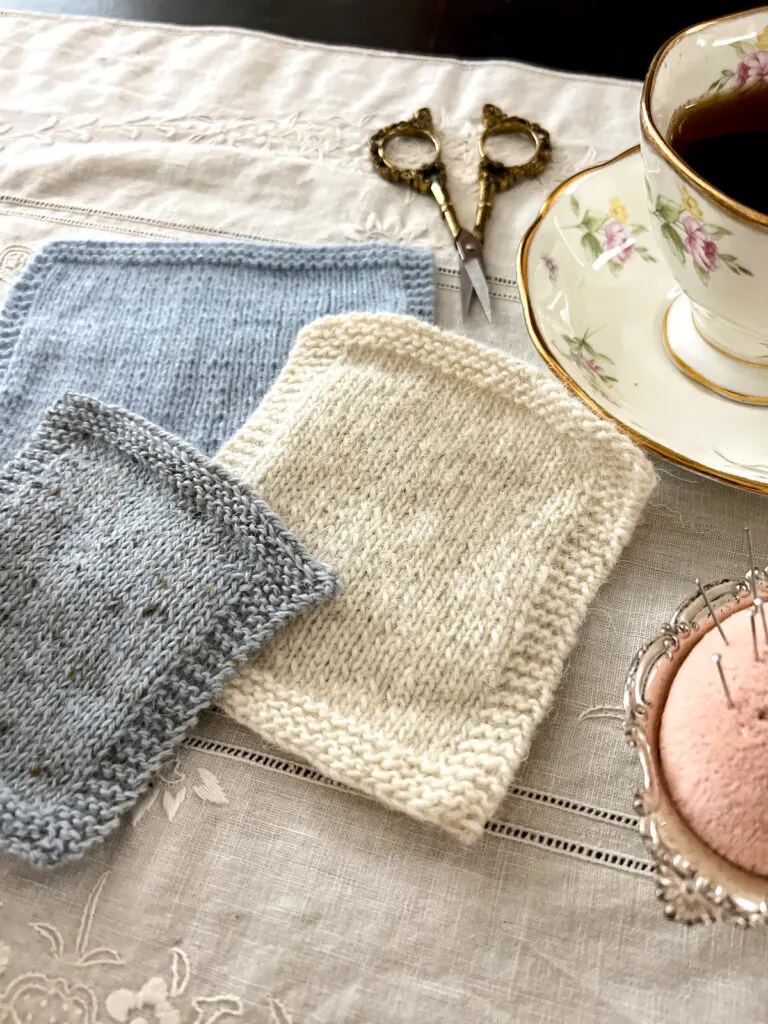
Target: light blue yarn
[
  {"x": 188, "y": 335},
  {"x": 135, "y": 575}
]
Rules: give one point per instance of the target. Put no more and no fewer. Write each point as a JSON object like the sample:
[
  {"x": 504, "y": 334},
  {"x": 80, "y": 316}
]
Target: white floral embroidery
[
  {"x": 13, "y": 259},
  {"x": 332, "y": 137},
  {"x": 209, "y": 788},
  {"x": 616, "y": 712},
  {"x": 154, "y": 1000},
  {"x": 388, "y": 228},
  {"x": 209, "y": 1011},
  {"x": 37, "y": 998},
  {"x": 80, "y": 955},
  {"x": 5, "y": 957},
  {"x": 180, "y": 970},
  {"x": 152, "y": 997},
  {"x": 169, "y": 784},
  {"x": 173, "y": 801}
]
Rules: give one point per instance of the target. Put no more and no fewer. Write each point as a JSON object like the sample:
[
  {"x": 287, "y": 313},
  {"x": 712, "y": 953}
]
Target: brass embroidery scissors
[{"x": 493, "y": 176}]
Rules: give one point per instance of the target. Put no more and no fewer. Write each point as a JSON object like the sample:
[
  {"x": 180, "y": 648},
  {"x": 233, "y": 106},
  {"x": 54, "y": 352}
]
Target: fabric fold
[
  {"x": 135, "y": 576},
  {"x": 473, "y": 508}
]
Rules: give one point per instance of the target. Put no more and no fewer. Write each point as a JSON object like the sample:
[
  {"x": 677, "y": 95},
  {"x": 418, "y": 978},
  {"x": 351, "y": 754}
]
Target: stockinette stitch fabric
[
  {"x": 472, "y": 508},
  {"x": 135, "y": 575},
  {"x": 189, "y": 335}
]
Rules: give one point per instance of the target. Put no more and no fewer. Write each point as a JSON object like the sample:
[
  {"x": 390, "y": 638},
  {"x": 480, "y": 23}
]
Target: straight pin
[
  {"x": 718, "y": 661},
  {"x": 760, "y": 605},
  {"x": 711, "y": 611},
  {"x": 753, "y": 627},
  {"x": 752, "y": 566}
]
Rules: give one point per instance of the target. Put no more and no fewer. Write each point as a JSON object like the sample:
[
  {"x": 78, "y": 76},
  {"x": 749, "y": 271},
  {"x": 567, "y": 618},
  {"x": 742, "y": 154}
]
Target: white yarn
[{"x": 472, "y": 509}]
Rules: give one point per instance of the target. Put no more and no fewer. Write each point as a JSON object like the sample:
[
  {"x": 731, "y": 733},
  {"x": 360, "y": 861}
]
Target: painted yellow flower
[
  {"x": 691, "y": 204},
  {"x": 617, "y": 210},
  {"x": 762, "y": 39}
]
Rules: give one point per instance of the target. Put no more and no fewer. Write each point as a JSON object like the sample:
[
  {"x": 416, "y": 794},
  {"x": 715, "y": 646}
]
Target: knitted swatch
[
  {"x": 134, "y": 576},
  {"x": 189, "y": 335},
  {"x": 472, "y": 509}
]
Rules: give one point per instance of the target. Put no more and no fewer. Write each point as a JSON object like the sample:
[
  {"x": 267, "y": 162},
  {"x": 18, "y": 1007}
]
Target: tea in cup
[{"x": 704, "y": 124}]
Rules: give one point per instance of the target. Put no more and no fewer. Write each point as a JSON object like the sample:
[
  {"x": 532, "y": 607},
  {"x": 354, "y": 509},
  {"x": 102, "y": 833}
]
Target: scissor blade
[
  {"x": 470, "y": 250},
  {"x": 465, "y": 289},
  {"x": 479, "y": 285}
]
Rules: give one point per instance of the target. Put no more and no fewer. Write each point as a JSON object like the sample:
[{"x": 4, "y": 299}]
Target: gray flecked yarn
[
  {"x": 190, "y": 335},
  {"x": 134, "y": 576}
]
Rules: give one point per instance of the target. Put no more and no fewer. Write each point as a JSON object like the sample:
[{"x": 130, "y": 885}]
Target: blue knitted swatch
[
  {"x": 135, "y": 575},
  {"x": 189, "y": 335}
]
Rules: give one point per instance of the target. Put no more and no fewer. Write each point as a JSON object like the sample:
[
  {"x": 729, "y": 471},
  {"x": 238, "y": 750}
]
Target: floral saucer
[{"x": 597, "y": 298}]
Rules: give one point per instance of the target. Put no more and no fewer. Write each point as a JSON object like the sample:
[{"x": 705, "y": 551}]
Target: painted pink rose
[
  {"x": 753, "y": 69},
  {"x": 594, "y": 366},
  {"x": 618, "y": 237},
  {"x": 700, "y": 244}
]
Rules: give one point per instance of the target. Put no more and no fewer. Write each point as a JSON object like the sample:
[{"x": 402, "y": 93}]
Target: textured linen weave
[
  {"x": 134, "y": 576},
  {"x": 189, "y": 335},
  {"x": 472, "y": 509}
]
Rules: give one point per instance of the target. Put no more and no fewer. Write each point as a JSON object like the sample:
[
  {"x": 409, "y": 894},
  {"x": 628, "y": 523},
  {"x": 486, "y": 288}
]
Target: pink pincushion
[{"x": 715, "y": 758}]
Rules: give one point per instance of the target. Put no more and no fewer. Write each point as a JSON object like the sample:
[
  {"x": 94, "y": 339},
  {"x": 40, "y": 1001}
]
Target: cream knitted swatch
[{"x": 472, "y": 508}]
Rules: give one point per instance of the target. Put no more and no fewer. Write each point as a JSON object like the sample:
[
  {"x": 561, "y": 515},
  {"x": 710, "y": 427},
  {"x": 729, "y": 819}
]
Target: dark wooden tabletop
[{"x": 597, "y": 38}]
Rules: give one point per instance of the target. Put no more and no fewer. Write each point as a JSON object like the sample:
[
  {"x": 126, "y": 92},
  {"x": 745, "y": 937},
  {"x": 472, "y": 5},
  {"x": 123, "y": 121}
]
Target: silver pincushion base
[{"x": 696, "y": 884}]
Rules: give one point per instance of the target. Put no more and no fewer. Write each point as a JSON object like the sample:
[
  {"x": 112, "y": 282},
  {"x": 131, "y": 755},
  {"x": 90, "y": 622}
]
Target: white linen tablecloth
[{"x": 247, "y": 887}]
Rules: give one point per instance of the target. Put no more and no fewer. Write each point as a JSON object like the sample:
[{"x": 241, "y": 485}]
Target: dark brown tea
[{"x": 724, "y": 138}]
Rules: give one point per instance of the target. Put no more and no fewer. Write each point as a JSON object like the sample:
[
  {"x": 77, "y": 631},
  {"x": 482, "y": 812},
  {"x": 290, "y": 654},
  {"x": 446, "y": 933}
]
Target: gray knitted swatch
[
  {"x": 190, "y": 335},
  {"x": 135, "y": 575}
]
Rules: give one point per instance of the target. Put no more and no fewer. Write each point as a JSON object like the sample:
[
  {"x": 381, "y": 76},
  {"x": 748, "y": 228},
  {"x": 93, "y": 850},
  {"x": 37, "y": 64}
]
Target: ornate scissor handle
[
  {"x": 495, "y": 176},
  {"x": 420, "y": 178},
  {"x": 427, "y": 178}
]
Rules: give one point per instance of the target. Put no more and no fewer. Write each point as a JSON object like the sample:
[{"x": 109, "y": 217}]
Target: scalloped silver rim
[{"x": 696, "y": 885}]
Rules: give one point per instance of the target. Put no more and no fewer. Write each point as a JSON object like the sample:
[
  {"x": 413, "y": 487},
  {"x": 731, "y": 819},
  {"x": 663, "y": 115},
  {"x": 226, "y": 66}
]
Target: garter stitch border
[
  {"x": 271, "y": 579},
  {"x": 459, "y": 787}
]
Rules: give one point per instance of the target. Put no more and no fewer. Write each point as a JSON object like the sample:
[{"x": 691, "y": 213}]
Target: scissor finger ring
[
  {"x": 421, "y": 177},
  {"x": 496, "y": 122}
]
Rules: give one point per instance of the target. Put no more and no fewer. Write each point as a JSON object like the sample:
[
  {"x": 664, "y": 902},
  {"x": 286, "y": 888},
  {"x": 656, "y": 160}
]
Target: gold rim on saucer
[
  {"x": 542, "y": 347},
  {"x": 654, "y": 137}
]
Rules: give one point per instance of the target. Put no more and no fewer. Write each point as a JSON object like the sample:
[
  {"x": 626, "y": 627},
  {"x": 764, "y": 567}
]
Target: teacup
[{"x": 716, "y": 248}]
